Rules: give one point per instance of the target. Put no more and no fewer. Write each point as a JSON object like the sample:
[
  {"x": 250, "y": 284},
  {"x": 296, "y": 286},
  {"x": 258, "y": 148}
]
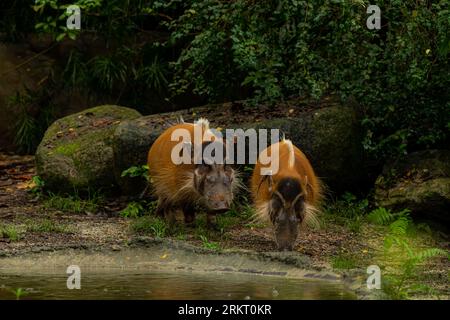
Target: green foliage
[
  {"x": 38, "y": 185},
  {"x": 158, "y": 228},
  {"x": 259, "y": 50},
  {"x": 73, "y": 203},
  {"x": 380, "y": 216},
  {"x": 30, "y": 125},
  {"x": 343, "y": 262},
  {"x": 109, "y": 72},
  {"x": 133, "y": 210},
  {"x": 383, "y": 216},
  {"x": 347, "y": 211},
  {"x": 209, "y": 244},
  {"x": 154, "y": 226},
  {"x": 19, "y": 293},
  {"x": 270, "y": 50},
  {"x": 131, "y": 66},
  {"x": 139, "y": 208},
  {"x": 154, "y": 75},
  {"x": 47, "y": 226},
  {"x": 399, "y": 224},
  {"x": 10, "y": 232},
  {"x": 136, "y": 171}
]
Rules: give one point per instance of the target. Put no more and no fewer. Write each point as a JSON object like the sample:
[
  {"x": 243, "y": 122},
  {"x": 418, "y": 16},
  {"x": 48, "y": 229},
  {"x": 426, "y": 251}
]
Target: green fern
[
  {"x": 430, "y": 253},
  {"x": 380, "y": 216},
  {"x": 400, "y": 226}
]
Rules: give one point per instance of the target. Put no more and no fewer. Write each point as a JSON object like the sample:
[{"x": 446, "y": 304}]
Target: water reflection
[{"x": 157, "y": 285}]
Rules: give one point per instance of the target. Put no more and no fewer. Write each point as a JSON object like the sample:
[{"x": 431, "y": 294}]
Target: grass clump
[
  {"x": 347, "y": 211},
  {"x": 10, "y": 232},
  {"x": 150, "y": 225},
  {"x": 73, "y": 203},
  {"x": 48, "y": 226},
  {"x": 136, "y": 209},
  {"x": 207, "y": 244},
  {"x": 343, "y": 262}
]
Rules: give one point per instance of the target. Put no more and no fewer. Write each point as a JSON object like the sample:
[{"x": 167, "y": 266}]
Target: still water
[{"x": 162, "y": 285}]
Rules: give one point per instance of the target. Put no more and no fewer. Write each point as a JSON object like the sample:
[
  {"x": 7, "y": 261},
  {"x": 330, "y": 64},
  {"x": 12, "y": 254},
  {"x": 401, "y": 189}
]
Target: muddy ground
[{"x": 107, "y": 230}]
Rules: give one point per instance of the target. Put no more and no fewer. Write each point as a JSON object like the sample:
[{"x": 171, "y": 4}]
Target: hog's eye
[
  {"x": 276, "y": 204},
  {"x": 300, "y": 203},
  {"x": 226, "y": 180}
]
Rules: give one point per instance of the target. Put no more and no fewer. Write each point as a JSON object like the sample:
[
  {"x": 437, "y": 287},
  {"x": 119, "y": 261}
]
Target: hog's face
[
  {"x": 287, "y": 208},
  {"x": 214, "y": 183}
]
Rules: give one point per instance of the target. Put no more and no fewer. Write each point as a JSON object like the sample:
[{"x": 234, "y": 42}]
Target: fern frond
[
  {"x": 380, "y": 216},
  {"x": 399, "y": 226},
  {"x": 430, "y": 253}
]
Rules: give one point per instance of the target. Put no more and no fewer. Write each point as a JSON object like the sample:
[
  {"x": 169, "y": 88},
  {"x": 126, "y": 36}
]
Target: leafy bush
[
  {"x": 136, "y": 171},
  {"x": 265, "y": 51},
  {"x": 133, "y": 210},
  {"x": 270, "y": 50}
]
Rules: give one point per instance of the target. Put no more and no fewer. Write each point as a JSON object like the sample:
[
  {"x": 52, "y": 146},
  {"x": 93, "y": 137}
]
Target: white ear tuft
[{"x": 203, "y": 122}]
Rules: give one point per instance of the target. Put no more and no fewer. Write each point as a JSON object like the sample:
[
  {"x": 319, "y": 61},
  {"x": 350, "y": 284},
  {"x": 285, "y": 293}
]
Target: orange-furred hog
[
  {"x": 183, "y": 185},
  {"x": 289, "y": 197}
]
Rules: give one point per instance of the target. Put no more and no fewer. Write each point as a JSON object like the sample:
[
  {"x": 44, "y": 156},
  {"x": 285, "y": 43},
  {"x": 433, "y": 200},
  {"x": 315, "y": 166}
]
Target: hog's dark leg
[
  {"x": 161, "y": 208},
  {"x": 166, "y": 210},
  {"x": 211, "y": 220},
  {"x": 189, "y": 213},
  {"x": 169, "y": 215}
]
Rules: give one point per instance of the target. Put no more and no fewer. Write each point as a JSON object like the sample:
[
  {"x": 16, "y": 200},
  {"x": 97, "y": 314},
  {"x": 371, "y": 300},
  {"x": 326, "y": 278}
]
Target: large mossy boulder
[
  {"x": 419, "y": 182},
  {"x": 330, "y": 135},
  {"x": 76, "y": 152}
]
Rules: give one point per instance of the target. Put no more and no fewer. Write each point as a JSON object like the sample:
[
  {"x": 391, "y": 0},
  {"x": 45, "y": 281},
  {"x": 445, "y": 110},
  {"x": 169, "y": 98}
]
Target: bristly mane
[{"x": 291, "y": 160}]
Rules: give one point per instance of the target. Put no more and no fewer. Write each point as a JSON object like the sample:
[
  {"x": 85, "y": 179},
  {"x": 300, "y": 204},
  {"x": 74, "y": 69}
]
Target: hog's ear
[
  {"x": 228, "y": 169},
  {"x": 200, "y": 172},
  {"x": 201, "y": 169}
]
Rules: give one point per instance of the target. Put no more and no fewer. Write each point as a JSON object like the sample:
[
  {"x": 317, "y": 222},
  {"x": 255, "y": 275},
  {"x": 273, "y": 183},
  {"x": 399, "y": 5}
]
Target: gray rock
[
  {"x": 132, "y": 140},
  {"x": 76, "y": 152},
  {"x": 420, "y": 182}
]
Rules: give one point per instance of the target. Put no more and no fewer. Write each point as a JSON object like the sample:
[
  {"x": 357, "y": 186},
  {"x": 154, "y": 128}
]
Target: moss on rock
[{"x": 76, "y": 151}]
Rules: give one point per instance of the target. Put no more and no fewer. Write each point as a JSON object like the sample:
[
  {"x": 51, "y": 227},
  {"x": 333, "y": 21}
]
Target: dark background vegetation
[{"x": 158, "y": 56}]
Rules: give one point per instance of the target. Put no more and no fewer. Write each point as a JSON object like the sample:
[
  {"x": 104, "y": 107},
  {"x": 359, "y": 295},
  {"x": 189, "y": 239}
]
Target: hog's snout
[
  {"x": 219, "y": 203},
  {"x": 286, "y": 231}
]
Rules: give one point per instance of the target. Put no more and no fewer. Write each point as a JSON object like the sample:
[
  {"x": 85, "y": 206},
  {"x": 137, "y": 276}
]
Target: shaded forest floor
[{"x": 29, "y": 222}]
